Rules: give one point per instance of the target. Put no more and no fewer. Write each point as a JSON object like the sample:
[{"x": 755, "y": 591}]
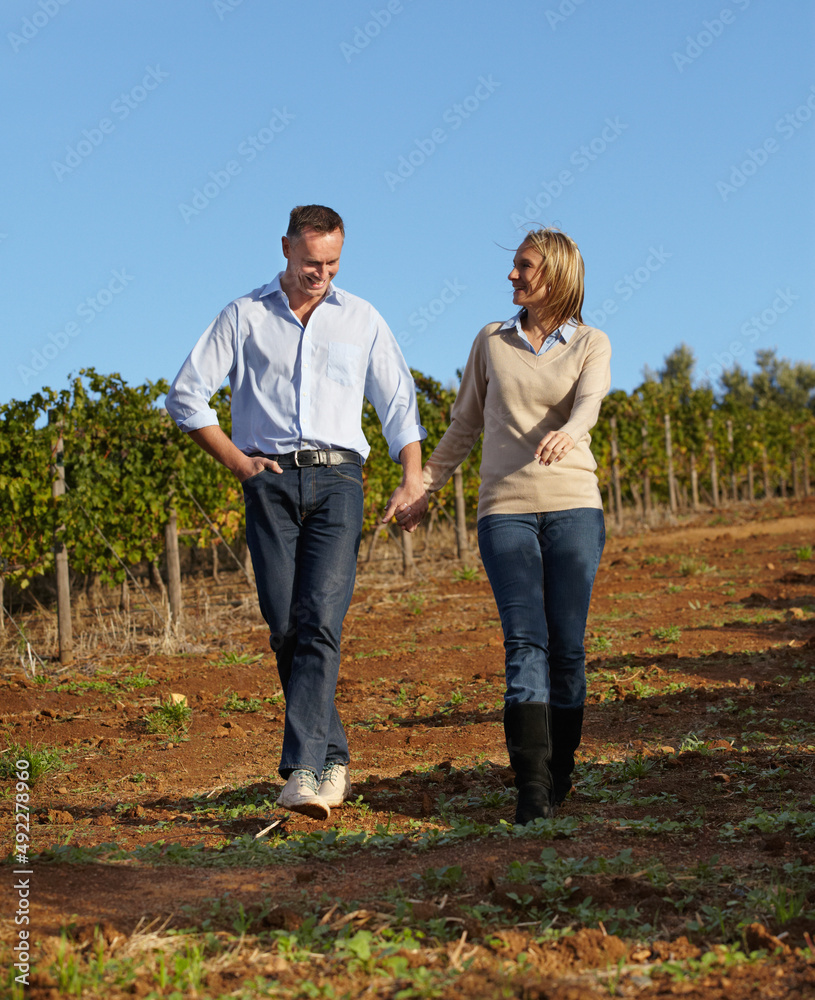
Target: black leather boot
[
  {"x": 566, "y": 730},
  {"x": 527, "y": 730}
]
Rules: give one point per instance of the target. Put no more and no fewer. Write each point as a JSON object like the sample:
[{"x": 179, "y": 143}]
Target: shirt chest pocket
[{"x": 344, "y": 363}]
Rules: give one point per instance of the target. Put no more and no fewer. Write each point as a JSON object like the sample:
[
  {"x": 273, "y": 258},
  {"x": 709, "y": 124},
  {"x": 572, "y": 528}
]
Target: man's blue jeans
[
  {"x": 541, "y": 568},
  {"x": 303, "y": 528}
]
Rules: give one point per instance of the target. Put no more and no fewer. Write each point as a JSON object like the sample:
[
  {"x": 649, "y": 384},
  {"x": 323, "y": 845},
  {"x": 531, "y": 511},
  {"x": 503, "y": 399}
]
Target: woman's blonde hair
[{"x": 562, "y": 272}]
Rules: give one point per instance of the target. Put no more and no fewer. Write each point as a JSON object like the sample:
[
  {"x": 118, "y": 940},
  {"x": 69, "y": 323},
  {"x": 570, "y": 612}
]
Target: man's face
[{"x": 312, "y": 261}]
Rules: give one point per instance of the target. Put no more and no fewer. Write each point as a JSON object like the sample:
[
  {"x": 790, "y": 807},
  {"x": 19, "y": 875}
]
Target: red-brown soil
[{"x": 701, "y": 670}]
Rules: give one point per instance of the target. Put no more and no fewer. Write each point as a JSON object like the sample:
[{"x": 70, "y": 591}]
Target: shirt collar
[
  {"x": 274, "y": 287},
  {"x": 514, "y": 323}
]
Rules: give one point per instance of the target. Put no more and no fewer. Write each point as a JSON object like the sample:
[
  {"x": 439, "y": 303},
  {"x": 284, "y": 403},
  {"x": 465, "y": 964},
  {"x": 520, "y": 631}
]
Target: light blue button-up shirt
[
  {"x": 299, "y": 387},
  {"x": 560, "y": 336}
]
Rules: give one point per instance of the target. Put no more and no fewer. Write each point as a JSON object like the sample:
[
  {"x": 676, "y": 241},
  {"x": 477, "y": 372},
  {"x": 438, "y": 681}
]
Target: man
[{"x": 300, "y": 354}]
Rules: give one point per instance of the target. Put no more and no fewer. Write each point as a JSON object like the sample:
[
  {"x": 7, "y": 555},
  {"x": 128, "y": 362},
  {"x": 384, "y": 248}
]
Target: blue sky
[{"x": 154, "y": 150}]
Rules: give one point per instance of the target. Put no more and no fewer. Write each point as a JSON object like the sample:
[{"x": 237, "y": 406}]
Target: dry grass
[
  {"x": 142, "y": 626},
  {"x": 104, "y": 633}
]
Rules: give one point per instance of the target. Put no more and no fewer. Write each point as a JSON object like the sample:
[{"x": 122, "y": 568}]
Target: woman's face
[{"x": 528, "y": 289}]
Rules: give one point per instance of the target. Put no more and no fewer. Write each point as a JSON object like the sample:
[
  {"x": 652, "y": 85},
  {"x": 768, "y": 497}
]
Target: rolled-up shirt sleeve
[
  {"x": 203, "y": 373},
  {"x": 390, "y": 387}
]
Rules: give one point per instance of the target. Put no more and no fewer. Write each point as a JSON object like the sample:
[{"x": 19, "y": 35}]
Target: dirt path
[{"x": 691, "y": 821}]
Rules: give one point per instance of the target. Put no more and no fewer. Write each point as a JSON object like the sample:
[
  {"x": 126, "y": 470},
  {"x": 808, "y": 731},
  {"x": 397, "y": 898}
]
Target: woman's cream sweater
[{"x": 516, "y": 397}]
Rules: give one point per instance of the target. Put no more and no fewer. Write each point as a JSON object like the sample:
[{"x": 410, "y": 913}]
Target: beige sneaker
[
  {"x": 300, "y": 794},
  {"x": 335, "y": 784}
]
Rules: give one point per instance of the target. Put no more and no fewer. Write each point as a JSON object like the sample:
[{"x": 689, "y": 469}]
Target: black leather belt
[{"x": 305, "y": 459}]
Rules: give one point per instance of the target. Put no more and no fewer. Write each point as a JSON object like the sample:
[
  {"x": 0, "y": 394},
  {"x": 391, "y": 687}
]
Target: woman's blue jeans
[
  {"x": 303, "y": 529},
  {"x": 541, "y": 568}
]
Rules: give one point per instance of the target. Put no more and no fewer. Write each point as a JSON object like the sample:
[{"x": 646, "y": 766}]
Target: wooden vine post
[
  {"x": 798, "y": 474},
  {"x": 751, "y": 482},
  {"x": 694, "y": 481},
  {"x": 714, "y": 472},
  {"x": 407, "y": 553},
  {"x": 670, "y": 454},
  {"x": 734, "y": 488},
  {"x": 765, "y": 470},
  {"x": 173, "y": 564},
  {"x": 64, "y": 627},
  {"x": 462, "y": 545},
  {"x": 646, "y": 473},
  {"x": 615, "y": 472}
]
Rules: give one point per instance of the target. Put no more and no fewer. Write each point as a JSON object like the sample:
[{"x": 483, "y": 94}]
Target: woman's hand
[{"x": 553, "y": 447}]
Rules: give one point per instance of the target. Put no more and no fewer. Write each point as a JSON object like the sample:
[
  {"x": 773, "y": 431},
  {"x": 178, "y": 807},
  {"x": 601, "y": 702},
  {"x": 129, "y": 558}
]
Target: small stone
[
  {"x": 60, "y": 817},
  {"x": 757, "y": 936}
]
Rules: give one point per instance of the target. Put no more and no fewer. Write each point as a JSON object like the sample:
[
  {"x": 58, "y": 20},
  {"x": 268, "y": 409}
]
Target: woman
[{"x": 534, "y": 384}]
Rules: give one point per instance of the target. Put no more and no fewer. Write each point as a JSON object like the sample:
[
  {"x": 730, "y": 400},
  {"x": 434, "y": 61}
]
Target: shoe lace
[
  {"x": 330, "y": 771},
  {"x": 306, "y": 780}
]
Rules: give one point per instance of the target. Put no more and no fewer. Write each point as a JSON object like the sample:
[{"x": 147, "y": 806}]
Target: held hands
[
  {"x": 553, "y": 447},
  {"x": 408, "y": 504}
]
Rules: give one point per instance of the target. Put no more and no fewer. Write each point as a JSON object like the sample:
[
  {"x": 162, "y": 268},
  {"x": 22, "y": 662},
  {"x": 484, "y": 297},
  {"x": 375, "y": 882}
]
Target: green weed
[
  {"x": 170, "y": 717},
  {"x": 235, "y": 704},
  {"x": 781, "y": 902},
  {"x": 690, "y": 566},
  {"x": 446, "y": 877},
  {"x": 634, "y": 768},
  {"x": 237, "y": 659},
  {"x": 668, "y": 633},
  {"x": 465, "y": 573},
  {"x": 41, "y": 761},
  {"x": 415, "y": 603}
]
